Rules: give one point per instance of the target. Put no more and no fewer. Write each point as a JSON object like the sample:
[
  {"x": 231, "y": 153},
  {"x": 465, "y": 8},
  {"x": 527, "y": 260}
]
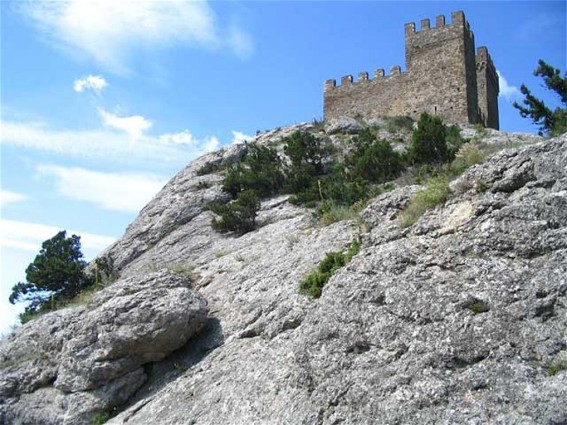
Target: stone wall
[
  {"x": 487, "y": 80},
  {"x": 440, "y": 78}
]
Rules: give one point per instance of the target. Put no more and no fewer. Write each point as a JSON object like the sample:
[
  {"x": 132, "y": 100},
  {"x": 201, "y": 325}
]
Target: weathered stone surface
[
  {"x": 184, "y": 198},
  {"x": 455, "y": 319},
  {"x": 77, "y": 361},
  {"x": 343, "y": 125}
]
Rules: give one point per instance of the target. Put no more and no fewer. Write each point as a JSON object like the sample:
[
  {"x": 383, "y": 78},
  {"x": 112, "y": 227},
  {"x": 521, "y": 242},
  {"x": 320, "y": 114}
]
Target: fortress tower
[{"x": 444, "y": 76}]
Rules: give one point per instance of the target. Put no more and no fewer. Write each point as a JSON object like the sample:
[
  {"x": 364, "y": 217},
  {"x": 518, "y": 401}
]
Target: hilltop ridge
[{"x": 459, "y": 317}]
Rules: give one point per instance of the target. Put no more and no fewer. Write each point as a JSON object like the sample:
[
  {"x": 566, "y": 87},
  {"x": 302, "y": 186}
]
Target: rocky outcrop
[
  {"x": 458, "y": 318},
  {"x": 343, "y": 125},
  {"x": 70, "y": 364}
]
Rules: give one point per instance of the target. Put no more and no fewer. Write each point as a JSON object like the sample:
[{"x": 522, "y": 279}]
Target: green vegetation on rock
[
  {"x": 436, "y": 192},
  {"x": 237, "y": 216},
  {"x": 429, "y": 142},
  {"x": 313, "y": 284}
]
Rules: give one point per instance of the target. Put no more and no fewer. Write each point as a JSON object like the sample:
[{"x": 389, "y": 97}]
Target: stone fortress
[{"x": 443, "y": 76}]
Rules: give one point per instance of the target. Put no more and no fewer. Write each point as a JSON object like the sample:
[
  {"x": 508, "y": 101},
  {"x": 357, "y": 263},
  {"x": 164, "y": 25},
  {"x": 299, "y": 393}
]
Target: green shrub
[
  {"x": 306, "y": 154},
  {"x": 237, "y": 216},
  {"x": 454, "y": 138},
  {"x": 304, "y": 148},
  {"x": 313, "y": 284},
  {"x": 376, "y": 163},
  {"x": 436, "y": 192},
  {"x": 209, "y": 168},
  {"x": 260, "y": 170},
  {"x": 429, "y": 142}
]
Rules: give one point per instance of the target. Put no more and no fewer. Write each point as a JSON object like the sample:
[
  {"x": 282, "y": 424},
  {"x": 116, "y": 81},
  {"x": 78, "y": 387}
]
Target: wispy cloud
[
  {"x": 107, "y": 145},
  {"x": 96, "y": 83},
  {"x": 128, "y": 192},
  {"x": 134, "y": 125},
  {"x": 111, "y": 31},
  {"x": 8, "y": 197},
  {"x": 182, "y": 138},
  {"x": 29, "y": 236},
  {"x": 508, "y": 91},
  {"x": 239, "y": 137}
]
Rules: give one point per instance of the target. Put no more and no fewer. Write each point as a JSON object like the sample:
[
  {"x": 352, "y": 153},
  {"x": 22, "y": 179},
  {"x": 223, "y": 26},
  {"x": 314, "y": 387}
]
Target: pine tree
[{"x": 550, "y": 122}]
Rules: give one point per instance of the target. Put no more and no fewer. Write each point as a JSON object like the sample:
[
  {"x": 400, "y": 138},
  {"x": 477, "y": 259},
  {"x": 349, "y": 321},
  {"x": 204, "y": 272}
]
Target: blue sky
[{"x": 103, "y": 102}]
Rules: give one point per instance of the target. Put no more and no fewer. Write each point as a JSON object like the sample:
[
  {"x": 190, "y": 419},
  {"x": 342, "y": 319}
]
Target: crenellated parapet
[
  {"x": 364, "y": 78},
  {"x": 440, "y": 77}
]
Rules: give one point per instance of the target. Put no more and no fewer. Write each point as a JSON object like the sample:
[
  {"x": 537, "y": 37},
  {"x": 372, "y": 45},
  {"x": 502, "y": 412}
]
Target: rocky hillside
[{"x": 459, "y": 318}]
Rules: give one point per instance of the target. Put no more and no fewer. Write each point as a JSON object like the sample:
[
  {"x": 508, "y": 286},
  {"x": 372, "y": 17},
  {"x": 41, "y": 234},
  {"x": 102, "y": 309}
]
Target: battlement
[
  {"x": 444, "y": 75},
  {"x": 457, "y": 20},
  {"x": 363, "y": 78}
]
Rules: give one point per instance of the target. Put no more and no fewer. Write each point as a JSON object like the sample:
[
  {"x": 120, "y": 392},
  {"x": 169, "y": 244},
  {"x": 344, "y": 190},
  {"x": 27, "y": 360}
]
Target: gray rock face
[
  {"x": 343, "y": 125},
  {"x": 74, "y": 362},
  {"x": 459, "y": 318},
  {"x": 455, "y": 319}
]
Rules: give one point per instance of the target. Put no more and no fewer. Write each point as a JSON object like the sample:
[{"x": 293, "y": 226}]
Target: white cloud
[
  {"x": 509, "y": 92},
  {"x": 7, "y": 197},
  {"x": 134, "y": 125},
  {"x": 182, "y": 138},
  {"x": 210, "y": 144},
  {"x": 110, "y": 146},
  {"x": 239, "y": 137},
  {"x": 110, "y": 31},
  {"x": 92, "y": 82},
  {"x": 111, "y": 191},
  {"x": 29, "y": 236}
]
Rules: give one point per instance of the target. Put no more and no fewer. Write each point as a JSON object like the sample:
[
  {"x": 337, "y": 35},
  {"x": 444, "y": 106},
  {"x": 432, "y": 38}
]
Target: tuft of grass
[
  {"x": 184, "y": 270},
  {"x": 481, "y": 186},
  {"x": 436, "y": 192},
  {"x": 478, "y": 307},
  {"x": 469, "y": 155},
  {"x": 318, "y": 124},
  {"x": 335, "y": 213},
  {"x": 313, "y": 284},
  {"x": 221, "y": 253},
  {"x": 557, "y": 366},
  {"x": 480, "y": 131},
  {"x": 100, "y": 418}
]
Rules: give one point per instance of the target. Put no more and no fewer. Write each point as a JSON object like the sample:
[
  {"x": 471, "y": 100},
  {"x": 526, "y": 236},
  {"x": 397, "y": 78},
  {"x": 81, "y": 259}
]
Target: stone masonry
[{"x": 444, "y": 76}]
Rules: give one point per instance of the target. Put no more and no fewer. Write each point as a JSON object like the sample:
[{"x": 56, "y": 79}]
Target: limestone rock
[
  {"x": 456, "y": 319},
  {"x": 459, "y": 318},
  {"x": 343, "y": 125},
  {"x": 77, "y": 361}
]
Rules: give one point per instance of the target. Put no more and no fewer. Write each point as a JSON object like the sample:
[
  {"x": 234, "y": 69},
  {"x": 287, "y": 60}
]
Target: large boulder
[{"x": 78, "y": 361}]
